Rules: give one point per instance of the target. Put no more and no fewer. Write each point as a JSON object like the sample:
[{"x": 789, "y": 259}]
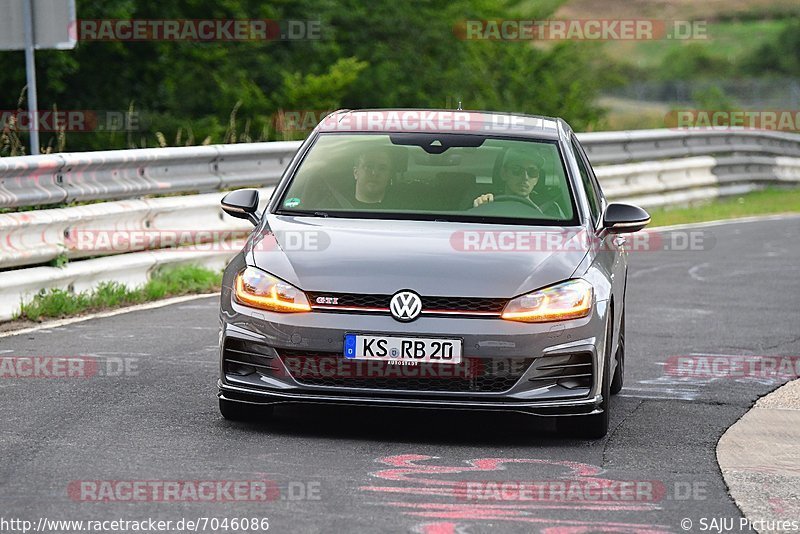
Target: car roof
[{"x": 444, "y": 121}]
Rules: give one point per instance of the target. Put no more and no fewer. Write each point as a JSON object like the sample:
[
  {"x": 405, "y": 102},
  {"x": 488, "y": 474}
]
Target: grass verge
[
  {"x": 768, "y": 201},
  {"x": 730, "y": 40},
  {"x": 166, "y": 282}
]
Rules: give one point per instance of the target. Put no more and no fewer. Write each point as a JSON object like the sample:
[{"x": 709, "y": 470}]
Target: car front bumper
[
  {"x": 564, "y": 407},
  {"x": 484, "y": 340}
]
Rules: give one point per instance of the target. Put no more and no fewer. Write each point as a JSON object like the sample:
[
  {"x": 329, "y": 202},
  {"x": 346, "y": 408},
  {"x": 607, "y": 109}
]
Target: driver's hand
[{"x": 483, "y": 199}]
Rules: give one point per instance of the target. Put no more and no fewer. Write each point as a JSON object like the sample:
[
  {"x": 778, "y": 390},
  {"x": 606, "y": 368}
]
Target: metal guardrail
[
  {"x": 649, "y": 167},
  {"x": 121, "y": 174},
  {"x": 652, "y": 145},
  {"x": 121, "y": 238},
  {"x": 106, "y": 228},
  {"x": 684, "y": 180}
]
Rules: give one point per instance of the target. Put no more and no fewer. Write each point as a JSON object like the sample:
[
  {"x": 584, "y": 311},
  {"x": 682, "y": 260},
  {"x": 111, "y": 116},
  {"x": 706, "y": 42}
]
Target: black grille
[
  {"x": 465, "y": 304},
  {"x": 472, "y": 375},
  {"x": 569, "y": 370},
  {"x": 242, "y": 358}
]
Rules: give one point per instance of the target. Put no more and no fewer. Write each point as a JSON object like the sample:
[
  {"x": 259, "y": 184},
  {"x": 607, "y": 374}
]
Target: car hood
[{"x": 432, "y": 258}]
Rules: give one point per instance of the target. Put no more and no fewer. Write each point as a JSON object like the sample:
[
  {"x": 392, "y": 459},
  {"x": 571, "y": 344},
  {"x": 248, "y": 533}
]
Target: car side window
[
  {"x": 588, "y": 184},
  {"x": 592, "y": 175}
]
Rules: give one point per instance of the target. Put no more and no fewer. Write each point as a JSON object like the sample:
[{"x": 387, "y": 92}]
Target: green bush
[
  {"x": 370, "y": 54},
  {"x": 168, "y": 281},
  {"x": 780, "y": 57}
]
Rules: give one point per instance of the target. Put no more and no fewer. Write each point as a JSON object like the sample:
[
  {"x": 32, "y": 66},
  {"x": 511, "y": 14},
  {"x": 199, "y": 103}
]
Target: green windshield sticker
[{"x": 291, "y": 202}]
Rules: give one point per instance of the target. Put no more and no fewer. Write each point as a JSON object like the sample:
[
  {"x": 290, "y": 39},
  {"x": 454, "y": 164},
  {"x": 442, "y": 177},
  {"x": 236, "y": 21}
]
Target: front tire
[
  {"x": 242, "y": 411},
  {"x": 594, "y": 426},
  {"x": 619, "y": 372}
]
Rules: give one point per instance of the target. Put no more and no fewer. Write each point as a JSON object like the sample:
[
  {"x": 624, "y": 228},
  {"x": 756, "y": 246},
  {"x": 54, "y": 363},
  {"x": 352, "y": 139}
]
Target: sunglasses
[
  {"x": 518, "y": 171},
  {"x": 376, "y": 168}
]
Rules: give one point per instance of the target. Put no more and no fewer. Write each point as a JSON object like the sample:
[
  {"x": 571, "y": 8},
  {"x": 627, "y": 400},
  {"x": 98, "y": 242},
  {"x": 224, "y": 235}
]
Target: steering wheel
[
  {"x": 515, "y": 198},
  {"x": 500, "y": 207}
]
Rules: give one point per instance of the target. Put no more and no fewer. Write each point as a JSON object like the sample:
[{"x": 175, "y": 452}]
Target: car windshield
[{"x": 454, "y": 177}]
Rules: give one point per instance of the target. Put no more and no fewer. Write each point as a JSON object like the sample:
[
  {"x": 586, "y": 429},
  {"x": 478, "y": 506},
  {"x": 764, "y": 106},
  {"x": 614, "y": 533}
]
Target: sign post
[
  {"x": 45, "y": 24},
  {"x": 30, "y": 72}
]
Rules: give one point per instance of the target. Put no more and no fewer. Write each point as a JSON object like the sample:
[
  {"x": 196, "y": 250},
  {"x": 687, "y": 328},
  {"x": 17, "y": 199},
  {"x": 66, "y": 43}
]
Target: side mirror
[
  {"x": 242, "y": 204},
  {"x": 623, "y": 218}
]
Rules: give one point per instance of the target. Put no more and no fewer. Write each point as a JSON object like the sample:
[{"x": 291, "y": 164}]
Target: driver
[
  {"x": 519, "y": 175},
  {"x": 373, "y": 172}
]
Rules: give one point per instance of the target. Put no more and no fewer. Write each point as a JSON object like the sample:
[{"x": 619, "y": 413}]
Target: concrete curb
[
  {"x": 58, "y": 323},
  {"x": 759, "y": 457}
]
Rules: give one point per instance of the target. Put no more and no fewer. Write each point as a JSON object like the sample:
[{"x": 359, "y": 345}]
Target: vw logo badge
[{"x": 405, "y": 306}]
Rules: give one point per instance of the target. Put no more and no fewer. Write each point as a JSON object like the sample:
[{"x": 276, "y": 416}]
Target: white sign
[{"x": 54, "y": 24}]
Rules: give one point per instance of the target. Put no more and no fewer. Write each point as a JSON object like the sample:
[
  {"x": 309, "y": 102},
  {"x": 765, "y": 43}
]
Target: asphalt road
[{"x": 150, "y": 414}]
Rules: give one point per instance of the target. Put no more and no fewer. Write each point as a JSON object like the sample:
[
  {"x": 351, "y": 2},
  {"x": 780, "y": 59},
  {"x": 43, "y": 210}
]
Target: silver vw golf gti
[{"x": 438, "y": 259}]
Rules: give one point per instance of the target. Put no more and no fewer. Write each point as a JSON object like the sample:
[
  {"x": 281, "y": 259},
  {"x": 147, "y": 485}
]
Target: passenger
[{"x": 519, "y": 175}]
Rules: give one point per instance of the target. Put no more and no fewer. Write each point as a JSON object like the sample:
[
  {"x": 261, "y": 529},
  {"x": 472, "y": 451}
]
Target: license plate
[{"x": 402, "y": 349}]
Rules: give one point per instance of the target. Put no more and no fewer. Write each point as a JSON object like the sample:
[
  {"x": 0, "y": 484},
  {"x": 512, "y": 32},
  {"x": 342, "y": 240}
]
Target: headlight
[
  {"x": 258, "y": 289},
  {"x": 568, "y": 300}
]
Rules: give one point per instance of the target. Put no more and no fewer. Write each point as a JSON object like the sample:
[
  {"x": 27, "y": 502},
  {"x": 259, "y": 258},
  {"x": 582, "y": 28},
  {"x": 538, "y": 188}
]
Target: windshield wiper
[{"x": 304, "y": 212}]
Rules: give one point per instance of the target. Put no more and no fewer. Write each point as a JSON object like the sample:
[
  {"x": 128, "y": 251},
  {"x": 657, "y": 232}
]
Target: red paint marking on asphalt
[
  {"x": 444, "y": 527},
  {"x": 408, "y": 465},
  {"x": 409, "y": 468},
  {"x": 778, "y": 506},
  {"x": 598, "y": 528},
  {"x": 445, "y": 511},
  {"x": 617, "y": 507}
]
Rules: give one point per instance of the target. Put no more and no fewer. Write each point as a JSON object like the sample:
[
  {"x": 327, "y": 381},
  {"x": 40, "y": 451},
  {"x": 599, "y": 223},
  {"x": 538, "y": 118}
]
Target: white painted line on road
[
  {"x": 654, "y": 397},
  {"x": 720, "y": 222},
  {"x": 728, "y": 355},
  {"x": 693, "y": 271},
  {"x": 214, "y": 363},
  {"x": 49, "y": 325},
  {"x": 640, "y": 272}
]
